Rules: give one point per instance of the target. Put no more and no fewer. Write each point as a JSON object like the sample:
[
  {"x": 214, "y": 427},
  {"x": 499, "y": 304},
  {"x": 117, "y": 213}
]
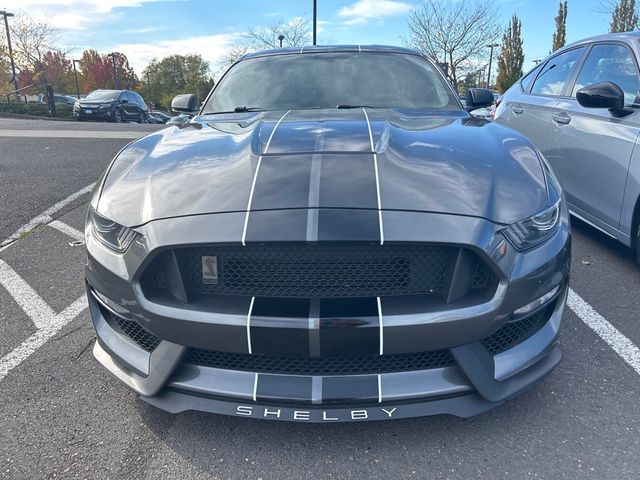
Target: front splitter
[{"x": 463, "y": 406}]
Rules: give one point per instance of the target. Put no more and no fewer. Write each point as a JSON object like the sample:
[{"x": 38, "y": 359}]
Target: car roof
[
  {"x": 331, "y": 49},
  {"x": 626, "y": 37}
]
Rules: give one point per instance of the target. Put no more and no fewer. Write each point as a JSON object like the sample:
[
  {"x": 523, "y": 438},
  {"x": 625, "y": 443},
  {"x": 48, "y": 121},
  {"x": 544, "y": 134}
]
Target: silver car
[{"x": 579, "y": 107}]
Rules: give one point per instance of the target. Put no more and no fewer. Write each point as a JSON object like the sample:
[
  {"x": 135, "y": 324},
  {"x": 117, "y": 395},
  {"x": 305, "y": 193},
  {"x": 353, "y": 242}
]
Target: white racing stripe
[
  {"x": 26, "y": 297},
  {"x": 380, "y": 326},
  {"x": 629, "y": 352},
  {"x": 375, "y": 166},
  {"x": 67, "y": 229},
  {"x": 44, "y": 217},
  {"x": 38, "y": 339},
  {"x": 255, "y": 177},
  {"x": 253, "y": 299},
  {"x": 255, "y": 387}
]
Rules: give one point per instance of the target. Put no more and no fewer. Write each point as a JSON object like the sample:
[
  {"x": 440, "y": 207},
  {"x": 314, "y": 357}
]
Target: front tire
[{"x": 117, "y": 116}]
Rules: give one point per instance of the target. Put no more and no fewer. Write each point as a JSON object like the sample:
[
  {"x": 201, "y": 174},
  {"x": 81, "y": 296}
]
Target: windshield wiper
[
  {"x": 346, "y": 105},
  {"x": 248, "y": 109},
  {"x": 238, "y": 110}
]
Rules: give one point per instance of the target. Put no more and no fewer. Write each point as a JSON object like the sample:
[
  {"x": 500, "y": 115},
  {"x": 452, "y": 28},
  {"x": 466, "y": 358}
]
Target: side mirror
[
  {"x": 478, "y": 98},
  {"x": 602, "y": 95},
  {"x": 185, "y": 103},
  {"x": 124, "y": 100}
]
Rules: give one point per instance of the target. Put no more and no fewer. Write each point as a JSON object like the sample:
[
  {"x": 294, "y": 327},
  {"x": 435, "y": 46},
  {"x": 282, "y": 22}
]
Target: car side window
[
  {"x": 556, "y": 73},
  {"x": 610, "y": 63},
  {"x": 528, "y": 79}
]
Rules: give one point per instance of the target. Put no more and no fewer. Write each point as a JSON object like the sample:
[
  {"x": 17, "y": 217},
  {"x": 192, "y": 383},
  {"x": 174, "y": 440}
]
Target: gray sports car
[{"x": 331, "y": 238}]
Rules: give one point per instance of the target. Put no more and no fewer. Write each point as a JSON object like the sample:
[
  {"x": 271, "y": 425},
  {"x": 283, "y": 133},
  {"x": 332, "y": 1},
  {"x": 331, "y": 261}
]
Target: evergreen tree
[
  {"x": 511, "y": 57},
  {"x": 559, "y": 36},
  {"x": 624, "y": 17}
]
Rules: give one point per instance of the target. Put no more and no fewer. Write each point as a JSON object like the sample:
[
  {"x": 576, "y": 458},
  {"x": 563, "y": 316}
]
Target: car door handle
[
  {"x": 561, "y": 118},
  {"x": 517, "y": 109}
]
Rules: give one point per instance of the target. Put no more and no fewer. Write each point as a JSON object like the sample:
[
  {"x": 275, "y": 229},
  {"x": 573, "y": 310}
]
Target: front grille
[
  {"x": 136, "y": 333},
  {"x": 513, "y": 333},
  {"x": 325, "y": 271},
  {"x": 327, "y": 366}
]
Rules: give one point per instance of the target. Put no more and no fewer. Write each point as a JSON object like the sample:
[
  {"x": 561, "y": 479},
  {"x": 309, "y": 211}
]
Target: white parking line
[
  {"x": 38, "y": 339},
  {"x": 67, "y": 229},
  {"x": 44, "y": 217},
  {"x": 624, "y": 347},
  {"x": 40, "y": 313},
  {"x": 26, "y": 297}
]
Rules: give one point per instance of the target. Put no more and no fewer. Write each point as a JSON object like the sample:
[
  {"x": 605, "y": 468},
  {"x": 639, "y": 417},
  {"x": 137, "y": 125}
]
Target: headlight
[
  {"x": 534, "y": 230},
  {"x": 111, "y": 234},
  {"x": 104, "y": 105}
]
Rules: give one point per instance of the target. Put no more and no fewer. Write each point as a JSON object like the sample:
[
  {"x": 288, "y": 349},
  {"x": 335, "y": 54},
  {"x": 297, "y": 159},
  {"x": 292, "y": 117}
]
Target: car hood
[{"x": 443, "y": 162}]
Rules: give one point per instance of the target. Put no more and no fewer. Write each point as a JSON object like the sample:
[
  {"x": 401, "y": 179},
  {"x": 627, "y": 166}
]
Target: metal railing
[{"x": 47, "y": 94}]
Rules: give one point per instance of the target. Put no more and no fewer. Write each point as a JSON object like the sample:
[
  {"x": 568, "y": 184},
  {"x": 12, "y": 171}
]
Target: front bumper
[
  {"x": 476, "y": 379},
  {"x": 100, "y": 114}
]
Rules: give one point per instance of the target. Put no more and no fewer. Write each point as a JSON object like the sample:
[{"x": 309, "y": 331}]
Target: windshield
[
  {"x": 329, "y": 80},
  {"x": 102, "y": 95}
]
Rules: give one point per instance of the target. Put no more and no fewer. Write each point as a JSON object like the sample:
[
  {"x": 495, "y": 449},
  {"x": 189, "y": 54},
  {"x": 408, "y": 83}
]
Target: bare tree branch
[
  {"x": 456, "y": 31},
  {"x": 31, "y": 39},
  {"x": 296, "y": 32}
]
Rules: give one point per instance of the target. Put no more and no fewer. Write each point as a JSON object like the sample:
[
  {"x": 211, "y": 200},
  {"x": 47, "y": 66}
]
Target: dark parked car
[
  {"x": 112, "y": 106},
  {"x": 580, "y": 108},
  {"x": 340, "y": 243}
]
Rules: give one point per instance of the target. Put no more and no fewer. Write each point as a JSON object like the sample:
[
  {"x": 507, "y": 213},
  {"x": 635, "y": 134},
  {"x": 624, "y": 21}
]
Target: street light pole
[
  {"x": 115, "y": 70},
  {"x": 315, "y": 20},
  {"x": 491, "y": 46},
  {"x": 6, "y": 15},
  {"x": 148, "y": 85},
  {"x": 75, "y": 74},
  {"x": 281, "y": 38}
]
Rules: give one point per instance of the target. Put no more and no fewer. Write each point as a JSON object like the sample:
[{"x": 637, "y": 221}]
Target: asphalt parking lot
[{"x": 64, "y": 416}]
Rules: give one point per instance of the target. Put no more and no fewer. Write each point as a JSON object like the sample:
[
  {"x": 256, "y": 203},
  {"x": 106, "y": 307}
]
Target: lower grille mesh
[
  {"x": 356, "y": 365},
  {"x": 132, "y": 329},
  {"x": 513, "y": 333}
]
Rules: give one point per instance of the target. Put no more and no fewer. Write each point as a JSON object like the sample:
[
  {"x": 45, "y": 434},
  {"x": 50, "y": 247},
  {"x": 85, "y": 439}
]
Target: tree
[
  {"x": 459, "y": 30},
  {"x": 296, "y": 32},
  {"x": 31, "y": 38},
  {"x": 624, "y": 17},
  {"x": 173, "y": 75},
  {"x": 511, "y": 57},
  {"x": 97, "y": 71},
  {"x": 5, "y": 71},
  {"x": 559, "y": 36}
]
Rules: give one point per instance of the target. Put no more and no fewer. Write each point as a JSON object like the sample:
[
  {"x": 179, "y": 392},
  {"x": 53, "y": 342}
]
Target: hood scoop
[{"x": 330, "y": 136}]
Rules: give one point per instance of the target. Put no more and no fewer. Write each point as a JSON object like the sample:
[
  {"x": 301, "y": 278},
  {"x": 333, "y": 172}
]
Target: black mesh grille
[
  {"x": 136, "y": 333},
  {"x": 482, "y": 276},
  {"x": 513, "y": 333},
  {"x": 322, "y": 271},
  {"x": 356, "y": 365}
]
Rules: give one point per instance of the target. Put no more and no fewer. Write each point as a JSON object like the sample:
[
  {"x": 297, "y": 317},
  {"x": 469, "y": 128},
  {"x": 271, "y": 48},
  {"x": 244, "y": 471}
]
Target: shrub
[{"x": 36, "y": 109}]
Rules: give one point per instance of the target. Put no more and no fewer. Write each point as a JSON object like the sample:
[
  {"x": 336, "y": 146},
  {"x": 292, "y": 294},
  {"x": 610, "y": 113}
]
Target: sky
[{"x": 144, "y": 29}]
